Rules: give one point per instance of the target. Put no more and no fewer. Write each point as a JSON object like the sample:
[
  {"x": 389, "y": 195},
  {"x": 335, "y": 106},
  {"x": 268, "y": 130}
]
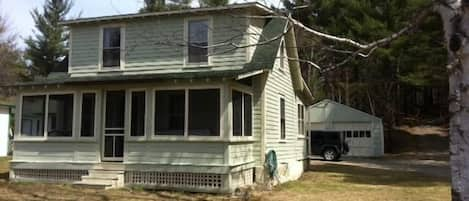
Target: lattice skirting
[
  {"x": 177, "y": 180},
  {"x": 50, "y": 174}
]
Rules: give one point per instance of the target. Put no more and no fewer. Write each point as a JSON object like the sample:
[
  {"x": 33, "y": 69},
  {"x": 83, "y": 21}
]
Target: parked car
[{"x": 330, "y": 145}]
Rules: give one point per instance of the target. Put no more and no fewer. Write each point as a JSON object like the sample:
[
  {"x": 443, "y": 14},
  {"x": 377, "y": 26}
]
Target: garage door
[{"x": 360, "y": 143}]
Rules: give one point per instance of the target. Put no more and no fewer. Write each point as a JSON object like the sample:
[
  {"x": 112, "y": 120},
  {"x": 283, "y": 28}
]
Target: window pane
[
  {"x": 282, "y": 118},
  {"x": 32, "y": 115},
  {"x": 368, "y": 134},
  {"x": 355, "y": 133},
  {"x": 119, "y": 146},
  {"x": 237, "y": 113},
  {"x": 169, "y": 114},
  {"x": 115, "y": 109},
  {"x": 60, "y": 115},
  {"x": 247, "y": 115},
  {"x": 111, "y": 37},
  {"x": 204, "y": 112},
  {"x": 198, "y": 41},
  {"x": 137, "y": 126},
  {"x": 111, "y": 47},
  {"x": 108, "y": 146},
  {"x": 88, "y": 114},
  {"x": 111, "y": 58},
  {"x": 362, "y": 133}
]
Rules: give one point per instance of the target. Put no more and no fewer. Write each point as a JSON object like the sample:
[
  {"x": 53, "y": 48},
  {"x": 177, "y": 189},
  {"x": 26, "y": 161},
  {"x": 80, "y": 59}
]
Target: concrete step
[
  {"x": 100, "y": 176},
  {"x": 81, "y": 184},
  {"x": 99, "y": 181},
  {"x": 105, "y": 172}
]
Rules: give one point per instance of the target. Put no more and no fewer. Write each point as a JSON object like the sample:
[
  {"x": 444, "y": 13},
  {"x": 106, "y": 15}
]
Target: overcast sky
[{"x": 20, "y": 21}]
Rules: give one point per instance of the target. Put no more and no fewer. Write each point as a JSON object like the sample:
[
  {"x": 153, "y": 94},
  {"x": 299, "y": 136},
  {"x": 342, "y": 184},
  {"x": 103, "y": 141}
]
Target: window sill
[
  {"x": 284, "y": 141},
  {"x": 43, "y": 139},
  {"x": 301, "y": 137},
  {"x": 195, "y": 139}
]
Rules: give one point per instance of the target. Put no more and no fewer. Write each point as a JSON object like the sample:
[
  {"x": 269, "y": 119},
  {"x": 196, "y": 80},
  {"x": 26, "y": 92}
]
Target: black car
[{"x": 328, "y": 144}]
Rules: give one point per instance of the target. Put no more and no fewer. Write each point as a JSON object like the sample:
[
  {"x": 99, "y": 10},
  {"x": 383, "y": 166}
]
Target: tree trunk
[{"x": 458, "y": 98}]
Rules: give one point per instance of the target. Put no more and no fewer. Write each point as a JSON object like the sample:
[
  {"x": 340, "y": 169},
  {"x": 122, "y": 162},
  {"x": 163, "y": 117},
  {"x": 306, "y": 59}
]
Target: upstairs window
[
  {"x": 198, "y": 41},
  {"x": 242, "y": 113},
  {"x": 111, "y": 47}
]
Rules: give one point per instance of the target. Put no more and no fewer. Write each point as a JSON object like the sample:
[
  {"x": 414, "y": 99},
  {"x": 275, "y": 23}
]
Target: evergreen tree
[
  {"x": 392, "y": 73},
  {"x": 163, "y": 5},
  {"x": 47, "y": 49},
  {"x": 213, "y": 3}
]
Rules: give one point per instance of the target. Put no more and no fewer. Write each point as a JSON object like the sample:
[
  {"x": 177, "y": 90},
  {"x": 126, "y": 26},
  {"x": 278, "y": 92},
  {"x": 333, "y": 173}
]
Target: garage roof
[{"x": 331, "y": 111}]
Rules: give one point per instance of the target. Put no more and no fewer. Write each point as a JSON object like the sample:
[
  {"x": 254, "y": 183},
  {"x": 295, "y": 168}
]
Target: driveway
[{"x": 432, "y": 164}]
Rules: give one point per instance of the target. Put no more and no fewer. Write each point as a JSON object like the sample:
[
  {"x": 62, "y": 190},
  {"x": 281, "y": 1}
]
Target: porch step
[{"x": 103, "y": 176}]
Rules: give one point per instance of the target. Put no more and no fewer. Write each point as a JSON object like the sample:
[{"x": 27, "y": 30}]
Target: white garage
[
  {"x": 4, "y": 129},
  {"x": 363, "y": 132}
]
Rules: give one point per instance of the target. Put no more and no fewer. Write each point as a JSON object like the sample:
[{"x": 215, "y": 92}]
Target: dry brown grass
[{"x": 323, "y": 182}]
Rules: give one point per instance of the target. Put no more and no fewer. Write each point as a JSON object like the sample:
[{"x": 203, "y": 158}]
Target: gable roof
[
  {"x": 227, "y": 8},
  {"x": 331, "y": 111}
]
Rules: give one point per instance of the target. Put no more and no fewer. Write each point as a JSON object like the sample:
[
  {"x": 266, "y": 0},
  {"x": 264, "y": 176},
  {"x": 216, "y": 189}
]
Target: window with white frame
[
  {"x": 137, "y": 123},
  {"x": 282, "y": 119},
  {"x": 111, "y": 47},
  {"x": 242, "y": 113},
  {"x": 59, "y": 115},
  {"x": 301, "y": 121},
  {"x": 203, "y": 114},
  {"x": 33, "y": 115},
  {"x": 169, "y": 112},
  {"x": 198, "y": 31},
  {"x": 88, "y": 110}
]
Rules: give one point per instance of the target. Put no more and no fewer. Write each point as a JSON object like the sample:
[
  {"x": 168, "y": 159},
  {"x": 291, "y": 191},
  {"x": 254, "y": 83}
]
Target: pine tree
[
  {"x": 47, "y": 49},
  {"x": 163, "y": 5},
  {"x": 213, "y": 3}
]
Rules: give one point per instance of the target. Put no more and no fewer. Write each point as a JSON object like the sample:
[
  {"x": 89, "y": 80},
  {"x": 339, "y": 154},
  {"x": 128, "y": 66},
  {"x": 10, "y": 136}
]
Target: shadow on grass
[
  {"x": 4, "y": 176},
  {"x": 371, "y": 176},
  {"x": 400, "y": 141}
]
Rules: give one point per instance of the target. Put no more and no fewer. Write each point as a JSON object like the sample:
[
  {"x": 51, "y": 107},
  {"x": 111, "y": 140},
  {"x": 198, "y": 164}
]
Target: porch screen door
[{"x": 113, "y": 143}]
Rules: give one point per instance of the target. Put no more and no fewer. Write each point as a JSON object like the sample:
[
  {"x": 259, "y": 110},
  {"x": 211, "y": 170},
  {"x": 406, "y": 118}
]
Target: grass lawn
[{"x": 322, "y": 182}]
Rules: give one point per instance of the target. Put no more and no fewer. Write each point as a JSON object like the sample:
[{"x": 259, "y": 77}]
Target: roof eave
[{"x": 165, "y": 13}]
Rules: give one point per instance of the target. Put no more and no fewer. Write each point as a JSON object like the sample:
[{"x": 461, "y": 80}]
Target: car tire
[{"x": 330, "y": 154}]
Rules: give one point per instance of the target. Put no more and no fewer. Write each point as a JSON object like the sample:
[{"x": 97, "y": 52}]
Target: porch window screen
[
  {"x": 170, "y": 111},
  {"x": 111, "y": 47},
  {"x": 115, "y": 110},
  {"x": 242, "y": 113},
  {"x": 32, "y": 115},
  {"x": 282, "y": 118},
  {"x": 60, "y": 115},
  {"x": 88, "y": 106},
  {"x": 204, "y": 112},
  {"x": 137, "y": 125},
  {"x": 198, "y": 41}
]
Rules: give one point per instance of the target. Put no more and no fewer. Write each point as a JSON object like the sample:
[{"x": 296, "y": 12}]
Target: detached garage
[{"x": 363, "y": 132}]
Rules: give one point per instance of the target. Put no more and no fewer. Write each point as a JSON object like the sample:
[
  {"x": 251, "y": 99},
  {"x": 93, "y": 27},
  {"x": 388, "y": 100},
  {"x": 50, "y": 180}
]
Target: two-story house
[{"x": 189, "y": 99}]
